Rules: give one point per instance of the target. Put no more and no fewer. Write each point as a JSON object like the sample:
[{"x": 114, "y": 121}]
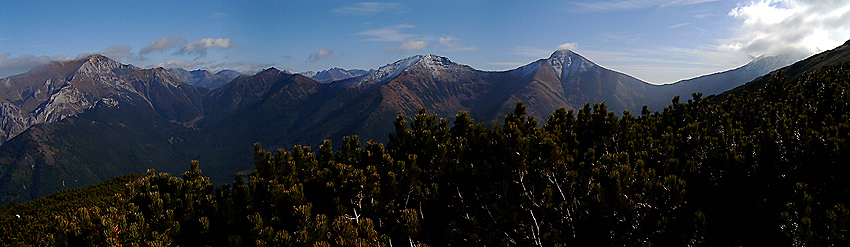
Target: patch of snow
[
  {"x": 567, "y": 63},
  {"x": 527, "y": 69},
  {"x": 437, "y": 65},
  {"x": 387, "y": 72}
]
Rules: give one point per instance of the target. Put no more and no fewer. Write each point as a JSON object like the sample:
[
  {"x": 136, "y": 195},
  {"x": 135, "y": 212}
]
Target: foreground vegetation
[{"x": 761, "y": 168}]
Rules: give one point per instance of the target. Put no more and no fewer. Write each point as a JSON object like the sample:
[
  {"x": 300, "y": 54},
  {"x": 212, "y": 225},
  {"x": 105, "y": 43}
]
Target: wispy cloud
[
  {"x": 679, "y": 25},
  {"x": 687, "y": 2},
  {"x": 368, "y": 8},
  {"x": 625, "y": 5},
  {"x": 162, "y": 44},
  {"x": 322, "y": 53},
  {"x": 618, "y": 5},
  {"x": 452, "y": 44},
  {"x": 393, "y": 33},
  {"x": 702, "y": 14},
  {"x": 629, "y": 37},
  {"x": 786, "y": 26}
]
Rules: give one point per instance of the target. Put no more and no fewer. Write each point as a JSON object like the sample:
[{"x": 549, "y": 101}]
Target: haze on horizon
[{"x": 658, "y": 41}]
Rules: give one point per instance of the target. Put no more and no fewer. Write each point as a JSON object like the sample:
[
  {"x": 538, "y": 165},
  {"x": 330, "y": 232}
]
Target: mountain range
[
  {"x": 204, "y": 78},
  {"x": 334, "y": 74},
  {"x": 76, "y": 123}
]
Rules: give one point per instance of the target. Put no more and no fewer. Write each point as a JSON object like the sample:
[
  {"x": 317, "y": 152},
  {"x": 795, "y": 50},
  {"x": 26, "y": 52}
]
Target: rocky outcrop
[{"x": 55, "y": 91}]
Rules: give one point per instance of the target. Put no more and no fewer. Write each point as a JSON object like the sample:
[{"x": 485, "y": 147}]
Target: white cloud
[
  {"x": 200, "y": 47},
  {"x": 118, "y": 51},
  {"x": 367, "y": 8},
  {"x": 771, "y": 27},
  {"x": 319, "y": 55},
  {"x": 177, "y": 64},
  {"x": 388, "y": 33},
  {"x": 568, "y": 46},
  {"x": 452, "y": 44},
  {"x": 197, "y": 47},
  {"x": 23, "y": 63},
  {"x": 162, "y": 44},
  {"x": 412, "y": 45}
]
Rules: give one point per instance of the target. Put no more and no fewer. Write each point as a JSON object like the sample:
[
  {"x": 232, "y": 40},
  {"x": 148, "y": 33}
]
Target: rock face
[
  {"x": 55, "y": 91},
  {"x": 71, "y": 124}
]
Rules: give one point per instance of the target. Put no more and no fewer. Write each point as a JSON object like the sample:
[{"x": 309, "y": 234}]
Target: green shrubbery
[{"x": 758, "y": 168}]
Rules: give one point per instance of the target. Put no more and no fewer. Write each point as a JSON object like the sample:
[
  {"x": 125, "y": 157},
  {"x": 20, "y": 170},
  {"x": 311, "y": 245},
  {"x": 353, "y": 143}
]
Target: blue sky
[{"x": 658, "y": 41}]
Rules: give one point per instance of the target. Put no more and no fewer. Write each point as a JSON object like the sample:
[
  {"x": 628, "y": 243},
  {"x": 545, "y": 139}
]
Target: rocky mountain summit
[{"x": 52, "y": 92}]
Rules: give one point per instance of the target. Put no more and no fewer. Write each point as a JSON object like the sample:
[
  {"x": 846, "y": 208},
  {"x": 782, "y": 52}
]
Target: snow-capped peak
[
  {"x": 567, "y": 63},
  {"x": 437, "y": 65},
  {"x": 387, "y": 72}
]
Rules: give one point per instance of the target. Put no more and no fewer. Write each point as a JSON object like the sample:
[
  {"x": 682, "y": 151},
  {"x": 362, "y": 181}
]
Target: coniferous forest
[{"x": 760, "y": 168}]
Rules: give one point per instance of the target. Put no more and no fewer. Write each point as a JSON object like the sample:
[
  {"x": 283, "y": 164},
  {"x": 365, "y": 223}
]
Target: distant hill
[
  {"x": 203, "y": 78},
  {"x": 720, "y": 82},
  {"x": 838, "y": 55},
  {"x": 334, "y": 74}
]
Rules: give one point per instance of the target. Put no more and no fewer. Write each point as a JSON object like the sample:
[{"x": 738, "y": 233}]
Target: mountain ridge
[
  {"x": 166, "y": 121},
  {"x": 205, "y": 78}
]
